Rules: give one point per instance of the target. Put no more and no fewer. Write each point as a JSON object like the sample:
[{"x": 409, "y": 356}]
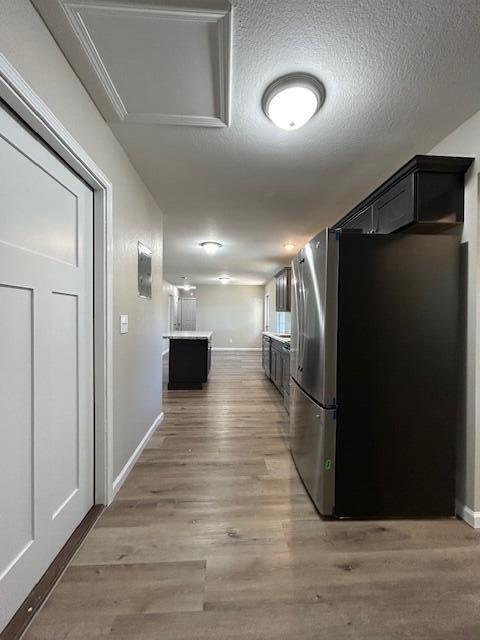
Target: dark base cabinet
[
  {"x": 188, "y": 363},
  {"x": 266, "y": 355},
  {"x": 276, "y": 364},
  {"x": 276, "y": 373}
]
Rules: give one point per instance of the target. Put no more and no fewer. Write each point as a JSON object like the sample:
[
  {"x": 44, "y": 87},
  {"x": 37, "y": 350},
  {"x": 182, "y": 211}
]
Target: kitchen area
[
  {"x": 367, "y": 315},
  {"x": 276, "y": 344}
]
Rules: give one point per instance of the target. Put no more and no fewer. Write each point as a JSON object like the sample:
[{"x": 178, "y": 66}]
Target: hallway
[{"x": 212, "y": 537}]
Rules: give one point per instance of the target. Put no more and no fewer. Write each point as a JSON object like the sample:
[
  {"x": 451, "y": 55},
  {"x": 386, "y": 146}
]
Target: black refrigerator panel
[{"x": 397, "y": 375}]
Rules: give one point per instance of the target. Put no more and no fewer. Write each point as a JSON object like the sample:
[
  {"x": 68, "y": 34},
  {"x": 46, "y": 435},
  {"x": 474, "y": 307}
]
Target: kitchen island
[{"x": 189, "y": 358}]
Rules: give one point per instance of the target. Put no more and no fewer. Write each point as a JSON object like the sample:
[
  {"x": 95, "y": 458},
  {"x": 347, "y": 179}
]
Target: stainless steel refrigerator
[{"x": 374, "y": 371}]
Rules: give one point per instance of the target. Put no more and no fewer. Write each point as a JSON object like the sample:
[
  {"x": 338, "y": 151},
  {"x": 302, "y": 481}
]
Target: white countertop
[
  {"x": 189, "y": 335},
  {"x": 275, "y": 336}
]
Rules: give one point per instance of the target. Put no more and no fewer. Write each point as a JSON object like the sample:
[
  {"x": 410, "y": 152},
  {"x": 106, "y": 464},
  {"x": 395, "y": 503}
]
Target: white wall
[
  {"x": 30, "y": 48},
  {"x": 233, "y": 312},
  {"x": 168, "y": 289},
  {"x": 465, "y": 141}
]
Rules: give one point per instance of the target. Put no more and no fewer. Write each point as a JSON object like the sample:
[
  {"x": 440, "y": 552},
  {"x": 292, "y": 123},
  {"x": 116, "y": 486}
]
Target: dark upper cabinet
[
  {"x": 395, "y": 209},
  {"x": 425, "y": 195},
  {"x": 283, "y": 281},
  {"x": 362, "y": 222}
]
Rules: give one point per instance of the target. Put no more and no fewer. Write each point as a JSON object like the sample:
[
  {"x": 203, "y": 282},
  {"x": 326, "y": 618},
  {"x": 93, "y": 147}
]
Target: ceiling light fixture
[
  {"x": 224, "y": 279},
  {"x": 210, "y": 246},
  {"x": 290, "y": 101},
  {"x": 289, "y": 246}
]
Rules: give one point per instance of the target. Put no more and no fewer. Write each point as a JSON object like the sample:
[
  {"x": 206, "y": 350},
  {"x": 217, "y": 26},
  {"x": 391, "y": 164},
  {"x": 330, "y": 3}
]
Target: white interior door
[
  {"x": 46, "y": 363},
  {"x": 189, "y": 314},
  {"x": 173, "y": 313},
  {"x": 176, "y": 314},
  {"x": 266, "y": 313}
]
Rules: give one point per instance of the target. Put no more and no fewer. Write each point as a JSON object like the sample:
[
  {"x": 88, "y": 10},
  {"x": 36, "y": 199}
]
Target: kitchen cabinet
[
  {"x": 276, "y": 373},
  {"x": 283, "y": 289},
  {"x": 286, "y": 376},
  {"x": 276, "y": 364},
  {"x": 425, "y": 195},
  {"x": 362, "y": 222},
  {"x": 395, "y": 209},
  {"x": 189, "y": 359},
  {"x": 266, "y": 359}
]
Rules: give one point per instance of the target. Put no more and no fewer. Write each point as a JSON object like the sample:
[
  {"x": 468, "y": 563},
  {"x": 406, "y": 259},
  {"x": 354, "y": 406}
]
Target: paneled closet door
[{"x": 46, "y": 358}]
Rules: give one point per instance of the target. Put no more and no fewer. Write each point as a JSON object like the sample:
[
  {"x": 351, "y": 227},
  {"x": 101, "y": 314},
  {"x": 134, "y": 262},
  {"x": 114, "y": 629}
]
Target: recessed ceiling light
[
  {"x": 292, "y": 100},
  {"x": 289, "y": 246},
  {"x": 210, "y": 246},
  {"x": 224, "y": 279}
]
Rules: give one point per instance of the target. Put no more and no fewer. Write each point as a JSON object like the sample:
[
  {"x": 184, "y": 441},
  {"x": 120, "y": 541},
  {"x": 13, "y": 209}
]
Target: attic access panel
[
  {"x": 146, "y": 63},
  {"x": 144, "y": 271}
]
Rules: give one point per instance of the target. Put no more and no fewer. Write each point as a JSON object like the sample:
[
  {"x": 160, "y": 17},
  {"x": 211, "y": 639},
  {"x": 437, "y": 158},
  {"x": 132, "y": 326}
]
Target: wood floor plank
[
  {"x": 272, "y": 622},
  {"x": 392, "y": 535},
  {"x": 235, "y": 512}
]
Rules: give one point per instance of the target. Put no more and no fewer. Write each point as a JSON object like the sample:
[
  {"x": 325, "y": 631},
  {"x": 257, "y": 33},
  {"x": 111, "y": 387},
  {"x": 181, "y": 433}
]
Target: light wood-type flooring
[{"x": 212, "y": 537}]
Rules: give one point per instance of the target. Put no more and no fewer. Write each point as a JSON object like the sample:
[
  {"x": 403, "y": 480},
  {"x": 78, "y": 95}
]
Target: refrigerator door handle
[{"x": 301, "y": 291}]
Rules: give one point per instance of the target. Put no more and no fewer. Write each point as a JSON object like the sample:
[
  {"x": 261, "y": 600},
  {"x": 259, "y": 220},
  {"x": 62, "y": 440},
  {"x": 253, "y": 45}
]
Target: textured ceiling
[{"x": 399, "y": 76}]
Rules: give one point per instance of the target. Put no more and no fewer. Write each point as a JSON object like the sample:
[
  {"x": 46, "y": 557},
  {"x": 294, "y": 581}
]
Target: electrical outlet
[{"x": 231, "y": 340}]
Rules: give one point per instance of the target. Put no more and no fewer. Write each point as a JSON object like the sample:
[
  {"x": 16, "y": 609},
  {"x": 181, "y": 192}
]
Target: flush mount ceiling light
[
  {"x": 224, "y": 279},
  {"x": 210, "y": 246},
  {"x": 290, "y": 101},
  {"x": 289, "y": 246}
]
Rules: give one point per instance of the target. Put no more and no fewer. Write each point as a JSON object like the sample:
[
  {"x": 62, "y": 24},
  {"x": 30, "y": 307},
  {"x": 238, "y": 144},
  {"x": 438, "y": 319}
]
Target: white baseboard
[
  {"x": 236, "y": 348},
  {"x": 122, "y": 476},
  {"x": 471, "y": 517}
]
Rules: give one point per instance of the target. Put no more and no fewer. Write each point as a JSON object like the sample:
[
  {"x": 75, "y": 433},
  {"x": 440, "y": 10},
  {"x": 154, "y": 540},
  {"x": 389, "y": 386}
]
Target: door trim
[{"x": 30, "y": 108}]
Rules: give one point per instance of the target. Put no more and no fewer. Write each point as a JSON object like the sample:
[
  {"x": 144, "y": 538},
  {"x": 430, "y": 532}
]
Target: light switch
[{"x": 123, "y": 324}]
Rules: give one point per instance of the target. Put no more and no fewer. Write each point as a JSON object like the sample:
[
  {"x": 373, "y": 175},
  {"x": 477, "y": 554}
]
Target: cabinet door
[
  {"x": 279, "y": 377},
  {"x": 288, "y": 290},
  {"x": 285, "y": 371},
  {"x": 362, "y": 222},
  {"x": 266, "y": 355},
  {"x": 281, "y": 281},
  {"x": 276, "y": 373},
  {"x": 396, "y": 208}
]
